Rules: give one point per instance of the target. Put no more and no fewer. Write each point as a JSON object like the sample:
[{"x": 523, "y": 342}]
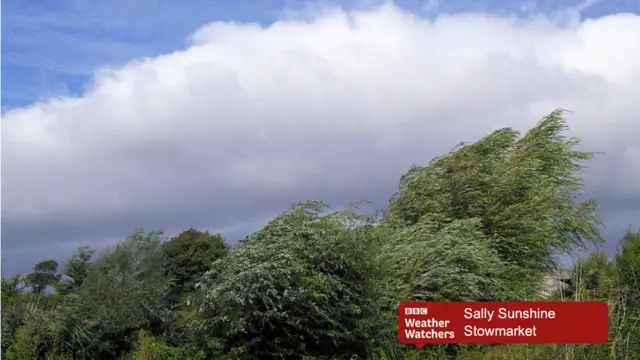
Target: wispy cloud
[{"x": 76, "y": 37}]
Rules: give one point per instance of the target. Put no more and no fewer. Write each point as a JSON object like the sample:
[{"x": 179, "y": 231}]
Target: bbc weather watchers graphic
[{"x": 422, "y": 323}]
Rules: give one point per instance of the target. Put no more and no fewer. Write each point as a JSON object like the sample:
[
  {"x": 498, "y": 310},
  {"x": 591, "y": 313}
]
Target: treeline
[{"x": 482, "y": 223}]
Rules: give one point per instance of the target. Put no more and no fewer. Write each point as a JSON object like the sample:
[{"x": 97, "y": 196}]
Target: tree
[
  {"x": 124, "y": 291},
  {"x": 188, "y": 256},
  {"x": 454, "y": 263},
  {"x": 523, "y": 191},
  {"x": 44, "y": 274},
  {"x": 75, "y": 270},
  {"x": 305, "y": 285}
]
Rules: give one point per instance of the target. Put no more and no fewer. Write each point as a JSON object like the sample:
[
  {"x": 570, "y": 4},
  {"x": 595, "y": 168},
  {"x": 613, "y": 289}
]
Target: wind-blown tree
[
  {"x": 44, "y": 274},
  {"x": 75, "y": 270},
  {"x": 188, "y": 256},
  {"x": 124, "y": 291},
  {"x": 451, "y": 263},
  {"x": 522, "y": 191},
  {"x": 305, "y": 285}
]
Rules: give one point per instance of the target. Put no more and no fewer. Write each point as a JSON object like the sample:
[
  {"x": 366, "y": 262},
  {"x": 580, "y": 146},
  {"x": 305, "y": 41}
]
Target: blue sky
[
  {"x": 92, "y": 166},
  {"x": 51, "y": 48}
]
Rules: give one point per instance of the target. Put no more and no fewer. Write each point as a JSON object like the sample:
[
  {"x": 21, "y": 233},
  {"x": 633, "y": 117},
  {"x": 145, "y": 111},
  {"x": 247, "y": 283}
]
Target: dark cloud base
[{"x": 26, "y": 244}]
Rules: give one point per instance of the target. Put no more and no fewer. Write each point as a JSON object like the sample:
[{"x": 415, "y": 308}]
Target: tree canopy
[{"x": 188, "y": 256}]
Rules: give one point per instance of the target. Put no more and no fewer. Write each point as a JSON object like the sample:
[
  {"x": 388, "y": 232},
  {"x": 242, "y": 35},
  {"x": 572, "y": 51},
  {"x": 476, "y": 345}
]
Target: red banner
[{"x": 422, "y": 323}]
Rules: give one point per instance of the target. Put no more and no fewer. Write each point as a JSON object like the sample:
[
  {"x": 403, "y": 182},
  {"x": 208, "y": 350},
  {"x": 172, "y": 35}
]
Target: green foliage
[
  {"x": 31, "y": 338},
  {"x": 628, "y": 265},
  {"x": 30, "y": 328},
  {"x": 627, "y": 324},
  {"x": 151, "y": 348},
  {"x": 12, "y": 287},
  {"x": 453, "y": 263},
  {"x": 44, "y": 274},
  {"x": 521, "y": 190},
  {"x": 593, "y": 278},
  {"x": 188, "y": 256},
  {"x": 124, "y": 291},
  {"x": 75, "y": 270},
  {"x": 304, "y": 286}
]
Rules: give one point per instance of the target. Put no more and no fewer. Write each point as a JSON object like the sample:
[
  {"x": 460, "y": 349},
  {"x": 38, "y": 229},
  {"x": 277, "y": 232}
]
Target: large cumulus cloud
[{"x": 248, "y": 119}]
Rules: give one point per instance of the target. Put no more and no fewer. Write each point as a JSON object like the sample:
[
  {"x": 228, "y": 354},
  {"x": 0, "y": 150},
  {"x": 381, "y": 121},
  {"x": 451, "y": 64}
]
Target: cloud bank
[{"x": 248, "y": 120}]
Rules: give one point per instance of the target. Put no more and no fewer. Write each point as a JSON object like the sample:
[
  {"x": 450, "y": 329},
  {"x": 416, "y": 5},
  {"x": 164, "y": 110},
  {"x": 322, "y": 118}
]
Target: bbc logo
[{"x": 416, "y": 311}]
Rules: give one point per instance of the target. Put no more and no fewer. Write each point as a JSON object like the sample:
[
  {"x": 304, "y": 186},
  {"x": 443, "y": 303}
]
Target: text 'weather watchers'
[{"x": 422, "y": 323}]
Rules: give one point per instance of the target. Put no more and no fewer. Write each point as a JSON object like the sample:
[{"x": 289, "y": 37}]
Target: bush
[{"x": 305, "y": 286}]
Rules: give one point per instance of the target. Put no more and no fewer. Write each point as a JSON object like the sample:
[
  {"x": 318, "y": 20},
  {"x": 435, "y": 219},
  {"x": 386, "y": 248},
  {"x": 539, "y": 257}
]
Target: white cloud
[{"x": 341, "y": 103}]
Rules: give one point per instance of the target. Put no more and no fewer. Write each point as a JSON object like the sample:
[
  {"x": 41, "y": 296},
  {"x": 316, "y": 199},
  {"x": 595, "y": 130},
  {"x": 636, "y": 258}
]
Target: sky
[{"x": 219, "y": 115}]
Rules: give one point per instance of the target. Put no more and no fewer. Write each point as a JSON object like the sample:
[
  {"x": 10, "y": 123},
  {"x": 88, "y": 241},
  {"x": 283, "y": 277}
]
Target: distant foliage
[
  {"x": 628, "y": 264},
  {"x": 75, "y": 271},
  {"x": 44, "y": 274},
  {"x": 188, "y": 256},
  {"x": 124, "y": 291}
]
